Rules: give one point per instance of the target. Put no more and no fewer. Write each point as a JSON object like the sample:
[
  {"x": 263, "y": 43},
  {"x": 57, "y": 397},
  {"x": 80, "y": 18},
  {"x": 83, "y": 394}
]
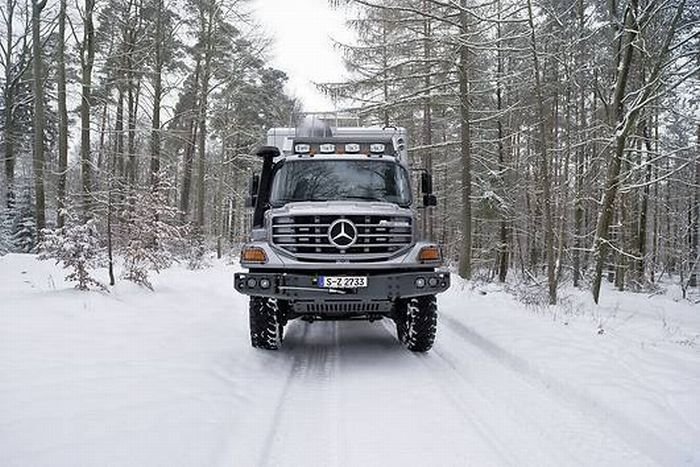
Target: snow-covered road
[{"x": 168, "y": 378}]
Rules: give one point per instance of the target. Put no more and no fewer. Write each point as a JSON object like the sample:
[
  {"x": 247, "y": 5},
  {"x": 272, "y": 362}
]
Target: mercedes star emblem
[{"x": 342, "y": 233}]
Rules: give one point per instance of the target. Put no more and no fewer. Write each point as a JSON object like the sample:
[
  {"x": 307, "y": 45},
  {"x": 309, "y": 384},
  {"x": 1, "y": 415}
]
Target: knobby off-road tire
[
  {"x": 416, "y": 322},
  {"x": 266, "y": 323}
]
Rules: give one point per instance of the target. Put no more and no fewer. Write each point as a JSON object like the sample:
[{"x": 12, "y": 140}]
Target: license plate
[{"x": 342, "y": 282}]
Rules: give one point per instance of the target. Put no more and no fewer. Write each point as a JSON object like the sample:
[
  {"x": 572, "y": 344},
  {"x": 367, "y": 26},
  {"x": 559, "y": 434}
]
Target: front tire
[
  {"x": 416, "y": 322},
  {"x": 266, "y": 324}
]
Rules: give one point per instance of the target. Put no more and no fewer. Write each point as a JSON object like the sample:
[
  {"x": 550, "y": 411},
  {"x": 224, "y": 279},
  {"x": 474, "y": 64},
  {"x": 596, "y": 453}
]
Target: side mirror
[
  {"x": 429, "y": 200},
  {"x": 426, "y": 183},
  {"x": 253, "y": 191}
]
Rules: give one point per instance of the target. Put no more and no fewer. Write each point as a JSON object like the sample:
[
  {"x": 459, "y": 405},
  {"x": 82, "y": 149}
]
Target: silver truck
[{"x": 334, "y": 235}]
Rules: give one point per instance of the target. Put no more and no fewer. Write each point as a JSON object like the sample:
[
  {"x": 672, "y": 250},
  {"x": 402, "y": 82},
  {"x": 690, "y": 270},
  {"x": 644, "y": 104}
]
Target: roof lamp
[
  {"x": 302, "y": 148},
  {"x": 376, "y": 147},
  {"x": 327, "y": 148},
  {"x": 352, "y": 147}
]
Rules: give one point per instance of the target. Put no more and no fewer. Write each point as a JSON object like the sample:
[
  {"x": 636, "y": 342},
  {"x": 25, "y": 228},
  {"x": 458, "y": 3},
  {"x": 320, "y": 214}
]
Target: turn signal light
[
  {"x": 430, "y": 254},
  {"x": 253, "y": 254}
]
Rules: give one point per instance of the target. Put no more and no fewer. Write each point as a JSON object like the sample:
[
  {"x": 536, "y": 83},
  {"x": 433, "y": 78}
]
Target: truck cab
[{"x": 334, "y": 236}]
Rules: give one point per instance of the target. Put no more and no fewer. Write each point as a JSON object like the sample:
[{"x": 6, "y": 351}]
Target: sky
[{"x": 302, "y": 47}]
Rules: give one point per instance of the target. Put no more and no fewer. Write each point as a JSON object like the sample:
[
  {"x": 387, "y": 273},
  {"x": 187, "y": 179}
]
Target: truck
[{"x": 334, "y": 235}]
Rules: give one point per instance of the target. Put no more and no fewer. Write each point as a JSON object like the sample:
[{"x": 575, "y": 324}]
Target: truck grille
[
  {"x": 373, "y": 237},
  {"x": 305, "y": 307}
]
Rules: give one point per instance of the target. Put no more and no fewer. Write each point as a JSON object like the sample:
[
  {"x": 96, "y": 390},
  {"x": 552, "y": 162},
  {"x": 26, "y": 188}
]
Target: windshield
[{"x": 332, "y": 180}]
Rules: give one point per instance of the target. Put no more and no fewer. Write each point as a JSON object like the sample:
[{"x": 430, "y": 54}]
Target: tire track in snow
[
  {"x": 469, "y": 412},
  {"x": 620, "y": 426},
  {"x": 266, "y": 449},
  {"x": 517, "y": 434},
  {"x": 305, "y": 388}
]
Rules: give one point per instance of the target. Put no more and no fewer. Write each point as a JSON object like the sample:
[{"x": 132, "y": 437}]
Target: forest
[{"x": 563, "y": 136}]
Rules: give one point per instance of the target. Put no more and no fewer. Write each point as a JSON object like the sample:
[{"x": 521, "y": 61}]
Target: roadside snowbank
[{"x": 633, "y": 361}]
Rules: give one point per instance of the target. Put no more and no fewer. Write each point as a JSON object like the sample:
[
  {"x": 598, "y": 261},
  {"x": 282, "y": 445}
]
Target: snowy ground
[{"x": 167, "y": 378}]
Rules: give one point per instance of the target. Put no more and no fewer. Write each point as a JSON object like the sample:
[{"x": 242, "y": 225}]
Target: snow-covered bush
[
  {"x": 78, "y": 248},
  {"x": 149, "y": 235}
]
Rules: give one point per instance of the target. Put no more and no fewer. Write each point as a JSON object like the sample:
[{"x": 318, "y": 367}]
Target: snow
[{"x": 141, "y": 378}]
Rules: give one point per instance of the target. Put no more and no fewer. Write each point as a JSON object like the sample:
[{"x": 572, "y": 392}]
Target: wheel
[
  {"x": 416, "y": 322},
  {"x": 266, "y": 323}
]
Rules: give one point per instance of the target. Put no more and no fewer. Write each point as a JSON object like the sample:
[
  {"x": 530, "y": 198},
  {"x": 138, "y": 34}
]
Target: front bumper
[{"x": 304, "y": 286}]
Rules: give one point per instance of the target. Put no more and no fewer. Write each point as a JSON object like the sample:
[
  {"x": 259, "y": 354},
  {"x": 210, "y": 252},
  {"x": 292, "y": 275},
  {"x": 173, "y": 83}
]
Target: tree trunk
[
  {"x": 206, "y": 42},
  {"x": 39, "y": 117},
  {"x": 644, "y": 207},
  {"x": 621, "y": 262},
  {"x": 564, "y": 187},
  {"x": 578, "y": 205},
  {"x": 385, "y": 75},
  {"x": 191, "y": 139},
  {"x": 201, "y": 159},
  {"x": 427, "y": 119},
  {"x": 110, "y": 209},
  {"x": 133, "y": 105},
  {"x": 101, "y": 159},
  {"x": 621, "y": 130},
  {"x": 87, "y": 58},
  {"x": 695, "y": 218},
  {"x": 8, "y": 93},
  {"x": 62, "y": 117},
  {"x": 119, "y": 135},
  {"x": 157, "y": 96},
  {"x": 503, "y": 247},
  {"x": 465, "y": 258},
  {"x": 544, "y": 167}
]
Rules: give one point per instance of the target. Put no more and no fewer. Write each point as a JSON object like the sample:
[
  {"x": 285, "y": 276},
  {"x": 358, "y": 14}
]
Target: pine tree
[
  {"x": 23, "y": 233},
  {"x": 77, "y": 247}
]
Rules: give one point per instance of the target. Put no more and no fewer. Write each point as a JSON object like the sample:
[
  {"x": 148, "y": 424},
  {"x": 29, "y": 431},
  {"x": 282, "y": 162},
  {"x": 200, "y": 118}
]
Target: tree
[
  {"x": 62, "y": 117},
  {"x": 624, "y": 120},
  {"x": 150, "y": 233},
  {"x": 77, "y": 247},
  {"x": 465, "y": 258},
  {"x": 39, "y": 115},
  {"x": 87, "y": 60},
  {"x": 544, "y": 167}
]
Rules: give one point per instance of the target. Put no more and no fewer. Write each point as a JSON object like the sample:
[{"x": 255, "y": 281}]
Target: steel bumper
[{"x": 304, "y": 286}]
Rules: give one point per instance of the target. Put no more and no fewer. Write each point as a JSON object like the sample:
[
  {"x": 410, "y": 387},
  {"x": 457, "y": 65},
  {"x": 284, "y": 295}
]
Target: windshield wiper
[
  {"x": 367, "y": 198},
  {"x": 283, "y": 201}
]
